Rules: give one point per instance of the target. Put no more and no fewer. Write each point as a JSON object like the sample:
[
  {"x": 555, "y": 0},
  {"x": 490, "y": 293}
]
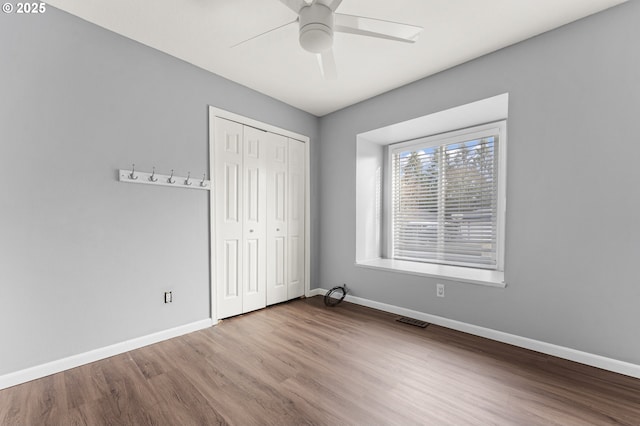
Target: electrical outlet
[
  {"x": 440, "y": 290},
  {"x": 168, "y": 297}
]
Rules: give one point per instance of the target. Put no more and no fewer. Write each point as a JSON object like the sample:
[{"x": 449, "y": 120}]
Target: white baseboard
[
  {"x": 593, "y": 360},
  {"x": 53, "y": 367},
  {"x": 316, "y": 292}
]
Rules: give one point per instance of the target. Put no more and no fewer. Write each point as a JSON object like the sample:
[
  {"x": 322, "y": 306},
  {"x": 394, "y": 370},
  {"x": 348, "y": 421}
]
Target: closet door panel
[
  {"x": 228, "y": 257},
  {"x": 255, "y": 218},
  {"x": 277, "y": 219},
  {"x": 295, "y": 272},
  {"x": 296, "y": 219},
  {"x": 252, "y": 277},
  {"x": 232, "y": 269},
  {"x": 280, "y": 257},
  {"x": 232, "y": 200}
]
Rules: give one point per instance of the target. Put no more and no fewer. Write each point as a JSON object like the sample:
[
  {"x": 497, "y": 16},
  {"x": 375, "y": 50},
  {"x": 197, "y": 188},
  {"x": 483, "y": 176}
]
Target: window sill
[{"x": 445, "y": 272}]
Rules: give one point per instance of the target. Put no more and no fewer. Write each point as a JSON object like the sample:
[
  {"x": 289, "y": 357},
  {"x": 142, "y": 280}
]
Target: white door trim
[{"x": 217, "y": 112}]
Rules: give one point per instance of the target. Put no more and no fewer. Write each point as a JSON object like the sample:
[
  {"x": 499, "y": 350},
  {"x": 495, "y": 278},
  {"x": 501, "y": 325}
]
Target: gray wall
[
  {"x": 84, "y": 259},
  {"x": 573, "y": 234}
]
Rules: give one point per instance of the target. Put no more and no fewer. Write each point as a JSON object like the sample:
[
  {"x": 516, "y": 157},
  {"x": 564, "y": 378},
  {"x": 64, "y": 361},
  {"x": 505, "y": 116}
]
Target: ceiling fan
[{"x": 318, "y": 21}]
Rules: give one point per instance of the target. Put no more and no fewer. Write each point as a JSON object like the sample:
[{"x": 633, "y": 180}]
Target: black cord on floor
[{"x": 330, "y": 301}]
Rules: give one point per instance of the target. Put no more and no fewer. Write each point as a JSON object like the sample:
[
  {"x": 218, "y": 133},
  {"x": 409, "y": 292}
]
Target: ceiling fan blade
[
  {"x": 376, "y": 28},
  {"x": 327, "y": 63},
  {"x": 264, "y": 33},
  {"x": 295, "y": 5}
]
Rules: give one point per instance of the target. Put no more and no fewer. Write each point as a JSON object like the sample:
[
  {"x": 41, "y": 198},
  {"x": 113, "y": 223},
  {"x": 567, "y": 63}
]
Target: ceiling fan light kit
[{"x": 316, "y": 28}]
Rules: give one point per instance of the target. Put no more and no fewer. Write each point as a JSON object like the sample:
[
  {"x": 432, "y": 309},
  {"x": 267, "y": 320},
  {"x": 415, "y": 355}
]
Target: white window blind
[{"x": 445, "y": 198}]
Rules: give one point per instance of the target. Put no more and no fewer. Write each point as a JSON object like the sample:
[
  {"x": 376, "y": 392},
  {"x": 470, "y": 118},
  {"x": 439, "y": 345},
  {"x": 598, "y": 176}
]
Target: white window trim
[
  {"x": 455, "y": 136},
  {"x": 371, "y": 246},
  {"x": 486, "y": 277}
]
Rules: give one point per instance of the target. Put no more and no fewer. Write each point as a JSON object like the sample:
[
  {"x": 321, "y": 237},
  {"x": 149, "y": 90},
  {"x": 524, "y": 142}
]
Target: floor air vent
[{"x": 412, "y": 321}]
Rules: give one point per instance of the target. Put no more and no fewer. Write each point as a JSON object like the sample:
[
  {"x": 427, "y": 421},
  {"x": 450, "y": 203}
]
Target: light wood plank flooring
[{"x": 303, "y": 363}]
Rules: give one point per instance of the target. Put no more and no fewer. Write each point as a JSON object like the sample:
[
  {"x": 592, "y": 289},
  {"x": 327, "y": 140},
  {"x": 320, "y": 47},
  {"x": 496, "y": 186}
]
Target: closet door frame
[{"x": 217, "y": 112}]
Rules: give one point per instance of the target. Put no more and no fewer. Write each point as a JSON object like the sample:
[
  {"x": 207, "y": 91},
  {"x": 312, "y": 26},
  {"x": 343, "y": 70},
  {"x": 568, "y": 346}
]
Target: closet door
[
  {"x": 277, "y": 153},
  {"x": 295, "y": 221},
  {"x": 229, "y": 222},
  {"x": 255, "y": 217},
  {"x": 259, "y": 218}
]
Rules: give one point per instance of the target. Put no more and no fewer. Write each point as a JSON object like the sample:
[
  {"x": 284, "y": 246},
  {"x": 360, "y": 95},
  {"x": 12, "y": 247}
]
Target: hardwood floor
[{"x": 303, "y": 363}]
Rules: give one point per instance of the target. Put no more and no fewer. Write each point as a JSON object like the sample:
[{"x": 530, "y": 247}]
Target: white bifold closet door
[
  {"x": 295, "y": 222},
  {"x": 259, "y": 218},
  {"x": 277, "y": 214},
  {"x": 285, "y": 219}
]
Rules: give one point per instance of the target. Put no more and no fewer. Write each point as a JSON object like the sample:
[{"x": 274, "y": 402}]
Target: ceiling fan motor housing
[{"x": 316, "y": 28}]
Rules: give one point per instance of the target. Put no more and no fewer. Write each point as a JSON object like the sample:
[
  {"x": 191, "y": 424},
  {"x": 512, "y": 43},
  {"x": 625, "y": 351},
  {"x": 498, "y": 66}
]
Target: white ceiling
[{"x": 201, "y": 32}]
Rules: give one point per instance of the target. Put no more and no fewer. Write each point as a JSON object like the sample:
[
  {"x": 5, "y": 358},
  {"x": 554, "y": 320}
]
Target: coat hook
[
  {"x": 152, "y": 178},
  {"x": 202, "y": 184},
  {"x": 188, "y": 179},
  {"x": 132, "y": 175},
  {"x": 171, "y": 179}
]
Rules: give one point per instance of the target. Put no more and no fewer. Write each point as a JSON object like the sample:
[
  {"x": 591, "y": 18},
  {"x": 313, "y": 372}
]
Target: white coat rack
[{"x": 153, "y": 178}]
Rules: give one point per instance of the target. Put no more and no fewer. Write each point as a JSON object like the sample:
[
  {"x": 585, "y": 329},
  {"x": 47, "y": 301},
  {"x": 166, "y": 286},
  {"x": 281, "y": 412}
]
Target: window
[
  {"x": 447, "y": 198},
  {"x": 435, "y": 252}
]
